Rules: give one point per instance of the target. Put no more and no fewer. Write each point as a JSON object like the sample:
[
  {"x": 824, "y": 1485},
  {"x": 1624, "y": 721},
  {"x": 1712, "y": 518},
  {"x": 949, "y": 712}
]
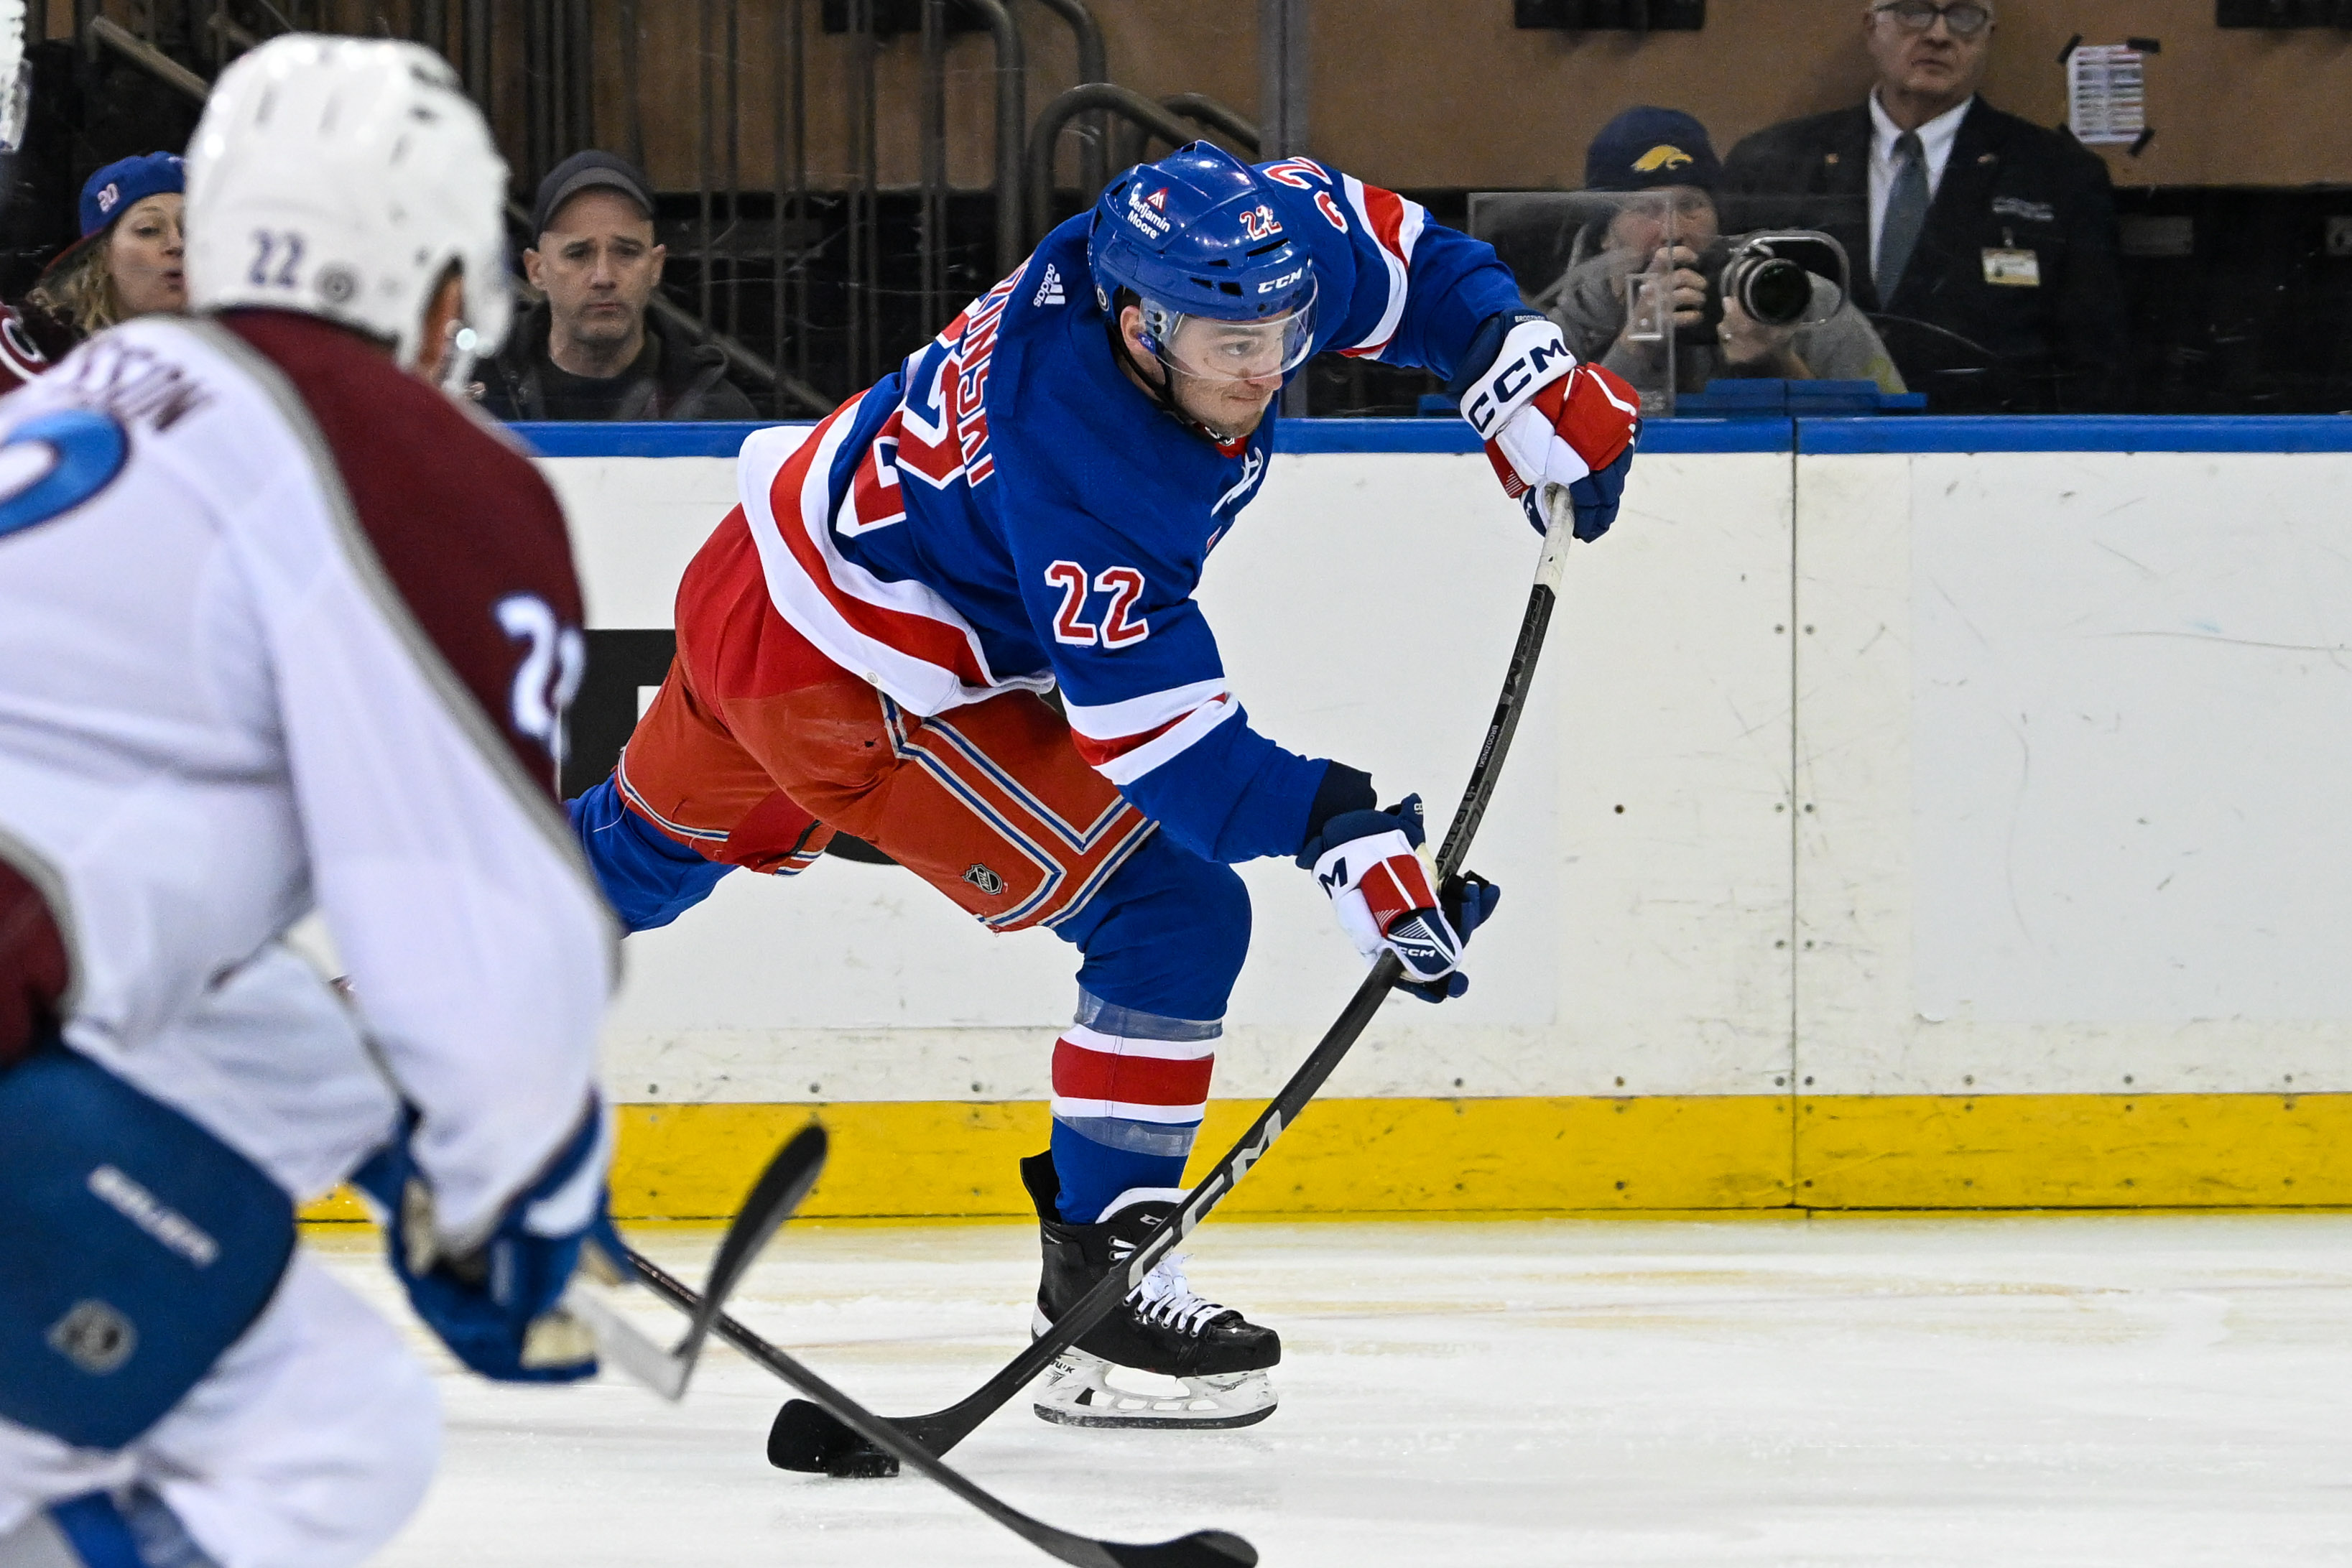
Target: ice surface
[{"x": 2122, "y": 1390}]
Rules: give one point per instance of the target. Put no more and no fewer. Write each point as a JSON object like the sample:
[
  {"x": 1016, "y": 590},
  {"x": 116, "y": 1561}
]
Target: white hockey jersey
[{"x": 280, "y": 624}]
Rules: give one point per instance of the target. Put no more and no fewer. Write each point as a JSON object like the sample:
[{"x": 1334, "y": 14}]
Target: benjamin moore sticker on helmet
[
  {"x": 1665, "y": 156},
  {"x": 1145, "y": 211}
]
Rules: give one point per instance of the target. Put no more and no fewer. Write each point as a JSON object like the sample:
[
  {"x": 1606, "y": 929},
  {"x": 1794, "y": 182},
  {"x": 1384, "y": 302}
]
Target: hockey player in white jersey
[{"x": 281, "y": 625}]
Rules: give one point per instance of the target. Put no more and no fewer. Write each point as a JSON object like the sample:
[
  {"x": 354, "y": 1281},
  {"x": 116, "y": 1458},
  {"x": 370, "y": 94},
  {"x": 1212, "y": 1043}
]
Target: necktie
[{"x": 1906, "y": 213}]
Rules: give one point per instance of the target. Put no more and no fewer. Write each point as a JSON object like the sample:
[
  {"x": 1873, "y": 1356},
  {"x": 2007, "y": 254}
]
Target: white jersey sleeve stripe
[
  {"x": 1124, "y": 766},
  {"x": 1116, "y": 721}
]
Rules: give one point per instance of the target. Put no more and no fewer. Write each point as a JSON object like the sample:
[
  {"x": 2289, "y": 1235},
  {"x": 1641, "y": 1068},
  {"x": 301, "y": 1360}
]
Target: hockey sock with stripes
[{"x": 1129, "y": 1089}]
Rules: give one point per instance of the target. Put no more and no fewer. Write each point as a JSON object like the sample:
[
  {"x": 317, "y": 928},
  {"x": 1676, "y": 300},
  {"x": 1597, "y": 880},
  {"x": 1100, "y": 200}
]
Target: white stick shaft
[{"x": 1560, "y": 514}]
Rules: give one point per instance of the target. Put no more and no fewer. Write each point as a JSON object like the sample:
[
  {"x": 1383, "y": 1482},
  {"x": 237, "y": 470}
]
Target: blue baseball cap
[
  {"x": 1643, "y": 149},
  {"x": 114, "y": 191},
  {"x": 123, "y": 183}
]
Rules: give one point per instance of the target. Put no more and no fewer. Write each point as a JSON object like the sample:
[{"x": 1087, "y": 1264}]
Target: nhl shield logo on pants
[
  {"x": 987, "y": 881},
  {"x": 95, "y": 1337}
]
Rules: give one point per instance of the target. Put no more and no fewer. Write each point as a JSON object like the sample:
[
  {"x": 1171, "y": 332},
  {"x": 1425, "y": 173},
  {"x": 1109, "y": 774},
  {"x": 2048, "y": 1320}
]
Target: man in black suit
[{"x": 1983, "y": 246}]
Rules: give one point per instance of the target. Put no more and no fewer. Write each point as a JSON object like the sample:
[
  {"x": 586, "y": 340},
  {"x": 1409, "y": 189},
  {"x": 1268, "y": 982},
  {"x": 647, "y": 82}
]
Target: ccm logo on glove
[
  {"x": 1549, "y": 421},
  {"x": 1540, "y": 359}
]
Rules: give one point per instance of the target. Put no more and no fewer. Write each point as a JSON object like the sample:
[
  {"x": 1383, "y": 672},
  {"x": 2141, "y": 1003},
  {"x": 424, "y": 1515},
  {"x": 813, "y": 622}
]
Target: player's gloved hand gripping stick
[
  {"x": 517, "y": 1308},
  {"x": 1548, "y": 422},
  {"x": 1368, "y": 861},
  {"x": 806, "y": 1437}
]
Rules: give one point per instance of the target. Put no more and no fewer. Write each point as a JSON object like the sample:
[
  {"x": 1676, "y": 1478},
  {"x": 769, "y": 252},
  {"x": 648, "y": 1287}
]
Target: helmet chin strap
[{"x": 1163, "y": 391}]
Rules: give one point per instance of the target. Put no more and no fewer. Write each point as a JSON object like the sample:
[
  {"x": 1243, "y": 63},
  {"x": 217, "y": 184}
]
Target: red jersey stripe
[
  {"x": 1097, "y": 752},
  {"x": 1387, "y": 210}
]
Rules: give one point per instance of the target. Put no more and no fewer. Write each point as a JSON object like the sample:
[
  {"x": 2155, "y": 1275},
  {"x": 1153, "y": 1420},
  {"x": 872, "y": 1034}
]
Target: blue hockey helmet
[{"x": 1197, "y": 235}]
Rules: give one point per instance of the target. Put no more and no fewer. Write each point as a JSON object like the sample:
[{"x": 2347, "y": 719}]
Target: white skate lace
[{"x": 1165, "y": 1298}]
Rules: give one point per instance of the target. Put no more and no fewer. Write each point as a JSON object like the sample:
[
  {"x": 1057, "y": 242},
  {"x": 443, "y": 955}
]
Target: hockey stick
[
  {"x": 1202, "y": 1549},
  {"x": 804, "y": 1438},
  {"x": 778, "y": 1192}
]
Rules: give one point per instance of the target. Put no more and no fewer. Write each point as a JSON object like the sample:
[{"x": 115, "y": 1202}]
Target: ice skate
[{"x": 1168, "y": 1358}]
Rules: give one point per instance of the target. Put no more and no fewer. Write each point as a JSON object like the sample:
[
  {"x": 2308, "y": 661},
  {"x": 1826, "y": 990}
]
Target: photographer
[{"x": 1663, "y": 163}]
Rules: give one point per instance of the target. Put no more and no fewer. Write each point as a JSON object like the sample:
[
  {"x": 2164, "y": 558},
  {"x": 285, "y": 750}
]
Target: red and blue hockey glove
[
  {"x": 496, "y": 1305},
  {"x": 1380, "y": 891},
  {"x": 1467, "y": 899},
  {"x": 1547, "y": 420}
]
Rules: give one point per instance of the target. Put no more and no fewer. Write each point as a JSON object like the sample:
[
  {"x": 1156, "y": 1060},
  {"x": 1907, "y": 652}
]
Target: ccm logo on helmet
[
  {"x": 1284, "y": 281},
  {"x": 1510, "y": 379}
]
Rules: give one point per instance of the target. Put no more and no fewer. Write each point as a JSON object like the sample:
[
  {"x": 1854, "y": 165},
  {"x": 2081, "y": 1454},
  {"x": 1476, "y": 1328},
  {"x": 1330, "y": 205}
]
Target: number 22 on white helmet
[{"x": 343, "y": 178}]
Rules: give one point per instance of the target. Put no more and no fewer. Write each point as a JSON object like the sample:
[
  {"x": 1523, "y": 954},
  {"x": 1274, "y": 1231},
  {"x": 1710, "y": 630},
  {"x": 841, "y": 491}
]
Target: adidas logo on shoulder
[{"x": 1049, "y": 292}]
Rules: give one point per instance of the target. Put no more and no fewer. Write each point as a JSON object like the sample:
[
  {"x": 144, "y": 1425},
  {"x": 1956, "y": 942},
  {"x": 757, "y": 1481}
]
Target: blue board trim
[
  {"x": 724, "y": 439},
  {"x": 686, "y": 438},
  {"x": 2078, "y": 433},
  {"x": 1819, "y": 436},
  {"x": 1448, "y": 434}
]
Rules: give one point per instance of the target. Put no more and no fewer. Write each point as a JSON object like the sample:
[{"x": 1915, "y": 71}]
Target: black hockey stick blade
[
  {"x": 773, "y": 1198},
  {"x": 1203, "y": 1549},
  {"x": 806, "y": 1437}
]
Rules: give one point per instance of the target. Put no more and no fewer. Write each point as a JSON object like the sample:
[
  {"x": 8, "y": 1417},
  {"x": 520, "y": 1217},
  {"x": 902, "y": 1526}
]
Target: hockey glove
[
  {"x": 1547, "y": 420},
  {"x": 1467, "y": 899},
  {"x": 1380, "y": 891},
  {"x": 496, "y": 1305}
]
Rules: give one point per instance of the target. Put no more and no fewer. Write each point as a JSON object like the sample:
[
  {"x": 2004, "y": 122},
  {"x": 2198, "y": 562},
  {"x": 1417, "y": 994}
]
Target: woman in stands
[{"x": 127, "y": 260}]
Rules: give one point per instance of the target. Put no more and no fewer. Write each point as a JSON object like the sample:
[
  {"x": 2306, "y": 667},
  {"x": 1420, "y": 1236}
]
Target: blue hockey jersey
[{"x": 1008, "y": 511}]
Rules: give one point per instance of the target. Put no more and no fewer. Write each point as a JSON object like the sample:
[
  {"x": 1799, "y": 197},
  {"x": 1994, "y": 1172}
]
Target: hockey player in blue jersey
[{"x": 1027, "y": 502}]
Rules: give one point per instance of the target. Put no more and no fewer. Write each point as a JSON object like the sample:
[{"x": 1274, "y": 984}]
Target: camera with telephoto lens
[{"x": 1771, "y": 275}]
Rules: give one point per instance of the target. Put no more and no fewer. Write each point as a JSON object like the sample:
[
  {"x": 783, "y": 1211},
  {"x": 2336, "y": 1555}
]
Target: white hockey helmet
[{"x": 343, "y": 177}]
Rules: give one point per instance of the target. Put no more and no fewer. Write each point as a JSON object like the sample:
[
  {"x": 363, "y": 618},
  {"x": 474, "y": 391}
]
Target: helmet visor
[{"x": 1207, "y": 348}]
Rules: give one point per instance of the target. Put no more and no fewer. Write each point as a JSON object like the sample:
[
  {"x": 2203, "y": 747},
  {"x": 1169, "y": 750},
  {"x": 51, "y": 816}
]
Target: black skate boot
[{"x": 1218, "y": 1355}]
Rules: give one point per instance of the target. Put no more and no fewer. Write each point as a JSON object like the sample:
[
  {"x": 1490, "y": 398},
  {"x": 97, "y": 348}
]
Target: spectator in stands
[
  {"x": 1661, "y": 161},
  {"x": 1984, "y": 245},
  {"x": 127, "y": 260},
  {"x": 592, "y": 350}
]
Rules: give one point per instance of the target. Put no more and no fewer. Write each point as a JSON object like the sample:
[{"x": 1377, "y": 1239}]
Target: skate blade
[
  {"x": 1064, "y": 1415},
  {"x": 1079, "y": 1393}
]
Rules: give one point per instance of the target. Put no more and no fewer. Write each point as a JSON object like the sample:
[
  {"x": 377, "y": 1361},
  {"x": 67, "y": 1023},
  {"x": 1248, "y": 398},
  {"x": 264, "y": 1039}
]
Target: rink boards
[{"x": 1910, "y": 813}]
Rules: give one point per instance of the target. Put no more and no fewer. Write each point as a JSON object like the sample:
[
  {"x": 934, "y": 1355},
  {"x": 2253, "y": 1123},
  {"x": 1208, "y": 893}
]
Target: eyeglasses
[{"x": 1966, "y": 18}]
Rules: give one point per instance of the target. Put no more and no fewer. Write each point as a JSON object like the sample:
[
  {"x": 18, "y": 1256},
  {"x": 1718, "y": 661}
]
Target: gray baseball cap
[{"x": 587, "y": 172}]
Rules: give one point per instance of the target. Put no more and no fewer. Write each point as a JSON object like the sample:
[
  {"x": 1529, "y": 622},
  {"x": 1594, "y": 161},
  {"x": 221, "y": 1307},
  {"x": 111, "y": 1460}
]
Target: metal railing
[
  {"x": 101, "y": 32},
  {"x": 1094, "y": 65},
  {"x": 1166, "y": 120},
  {"x": 815, "y": 270}
]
